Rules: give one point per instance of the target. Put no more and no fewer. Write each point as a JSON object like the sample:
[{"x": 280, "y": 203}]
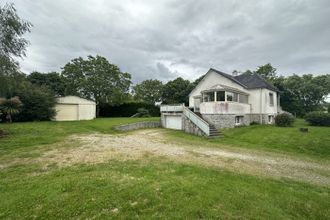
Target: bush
[
  {"x": 127, "y": 109},
  {"x": 318, "y": 118},
  {"x": 38, "y": 104},
  {"x": 284, "y": 120}
]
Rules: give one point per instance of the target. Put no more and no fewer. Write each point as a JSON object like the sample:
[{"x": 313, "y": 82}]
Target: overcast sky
[{"x": 165, "y": 39}]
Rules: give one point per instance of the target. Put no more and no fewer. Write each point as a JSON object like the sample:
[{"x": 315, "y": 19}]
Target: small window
[
  {"x": 221, "y": 96},
  {"x": 239, "y": 120},
  {"x": 271, "y": 99},
  {"x": 270, "y": 119}
]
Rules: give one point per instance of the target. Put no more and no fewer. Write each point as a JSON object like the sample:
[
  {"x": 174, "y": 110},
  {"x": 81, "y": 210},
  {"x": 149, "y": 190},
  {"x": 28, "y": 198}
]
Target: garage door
[
  {"x": 66, "y": 112},
  {"x": 173, "y": 122}
]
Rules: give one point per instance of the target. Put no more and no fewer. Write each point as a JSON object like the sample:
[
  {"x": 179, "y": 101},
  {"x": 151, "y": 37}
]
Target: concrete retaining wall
[{"x": 138, "y": 125}]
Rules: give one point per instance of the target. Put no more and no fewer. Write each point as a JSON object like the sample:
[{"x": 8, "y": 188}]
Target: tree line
[{"x": 33, "y": 96}]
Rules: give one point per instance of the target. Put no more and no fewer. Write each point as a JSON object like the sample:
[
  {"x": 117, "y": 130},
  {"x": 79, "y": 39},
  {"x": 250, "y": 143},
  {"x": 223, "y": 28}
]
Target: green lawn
[
  {"x": 314, "y": 144},
  {"x": 153, "y": 187}
]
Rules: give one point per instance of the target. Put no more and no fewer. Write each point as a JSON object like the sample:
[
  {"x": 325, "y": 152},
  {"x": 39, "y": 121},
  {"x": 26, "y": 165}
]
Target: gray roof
[{"x": 248, "y": 81}]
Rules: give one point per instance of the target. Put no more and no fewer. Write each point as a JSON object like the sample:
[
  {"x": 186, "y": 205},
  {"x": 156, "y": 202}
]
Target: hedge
[
  {"x": 318, "y": 118},
  {"x": 127, "y": 109}
]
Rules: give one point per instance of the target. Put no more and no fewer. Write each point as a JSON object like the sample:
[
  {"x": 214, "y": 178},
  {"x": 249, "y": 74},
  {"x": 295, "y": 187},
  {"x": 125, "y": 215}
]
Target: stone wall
[
  {"x": 258, "y": 117},
  {"x": 190, "y": 127},
  {"x": 138, "y": 125},
  {"x": 225, "y": 120}
]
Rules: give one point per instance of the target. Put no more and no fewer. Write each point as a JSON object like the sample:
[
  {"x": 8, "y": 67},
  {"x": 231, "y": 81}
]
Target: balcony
[{"x": 224, "y": 108}]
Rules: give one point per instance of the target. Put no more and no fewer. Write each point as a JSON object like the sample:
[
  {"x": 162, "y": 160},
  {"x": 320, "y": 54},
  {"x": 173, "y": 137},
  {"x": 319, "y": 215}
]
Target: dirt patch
[
  {"x": 3, "y": 133},
  {"x": 99, "y": 148}
]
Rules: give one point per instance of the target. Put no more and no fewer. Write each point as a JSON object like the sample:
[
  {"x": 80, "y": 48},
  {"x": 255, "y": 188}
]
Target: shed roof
[{"x": 74, "y": 100}]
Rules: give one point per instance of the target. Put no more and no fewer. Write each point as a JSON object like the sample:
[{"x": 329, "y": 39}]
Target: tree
[
  {"x": 176, "y": 91},
  {"x": 149, "y": 91},
  {"x": 95, "y": 78},
  {"x": 303, "y": 94},
  {"x": 10, "y": 107},
  {"x": 12, "y": 44},
  {"x": 52, "y": 80},
  {"x": 267, "y": 72}
]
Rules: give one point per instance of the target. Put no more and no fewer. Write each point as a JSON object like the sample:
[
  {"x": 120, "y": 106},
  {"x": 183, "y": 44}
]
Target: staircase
[{"x": 213, "y": 131}]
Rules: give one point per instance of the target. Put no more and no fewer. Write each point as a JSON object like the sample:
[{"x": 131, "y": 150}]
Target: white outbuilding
[{"x": 73, "y": 108}]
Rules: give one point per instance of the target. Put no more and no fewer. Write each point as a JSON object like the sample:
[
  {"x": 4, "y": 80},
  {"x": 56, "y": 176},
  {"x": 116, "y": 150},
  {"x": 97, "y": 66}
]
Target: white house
[
  {"x": 73, "y": 108},
  {"x": 226, "y": 101}
]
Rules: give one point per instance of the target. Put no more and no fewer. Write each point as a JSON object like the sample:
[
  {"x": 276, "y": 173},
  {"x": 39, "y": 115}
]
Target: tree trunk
[
  {"x": 97, "y": 110},
  {"x": 8, "y": 118}
]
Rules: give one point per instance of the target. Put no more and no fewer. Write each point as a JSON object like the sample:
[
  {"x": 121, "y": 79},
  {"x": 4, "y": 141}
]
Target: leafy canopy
[
  {"x": 176, "y": 91},
  {"x": 96, "y": 78},
  {"x": 52, "y": 80},
  {"x": 12, "y": 44},
  {"x": 149, "y": 91}
]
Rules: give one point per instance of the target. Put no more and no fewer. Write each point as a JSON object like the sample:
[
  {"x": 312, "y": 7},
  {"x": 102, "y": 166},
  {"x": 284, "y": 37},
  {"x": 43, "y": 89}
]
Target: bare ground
[{"x": 99, "y": 148}]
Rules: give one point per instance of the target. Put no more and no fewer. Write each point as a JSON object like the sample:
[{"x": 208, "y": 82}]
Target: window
[
  {"x": 230, "y": 96},
  {"x": 209, "y": 97},
  {"x": 271, "y": 99},
  {"x": 270, "y": 119},
  {"x": 221, "y": 96},
  {"x": 243, "y": 98},
  {"x": 239, "y": 120}
]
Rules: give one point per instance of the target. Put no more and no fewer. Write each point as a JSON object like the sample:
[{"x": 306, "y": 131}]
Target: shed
[{"x": 73, "y": 108}]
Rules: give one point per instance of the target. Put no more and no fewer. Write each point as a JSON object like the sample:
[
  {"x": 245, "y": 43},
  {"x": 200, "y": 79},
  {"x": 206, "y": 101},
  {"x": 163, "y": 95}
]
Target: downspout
[{"x": 260, "y": 111}]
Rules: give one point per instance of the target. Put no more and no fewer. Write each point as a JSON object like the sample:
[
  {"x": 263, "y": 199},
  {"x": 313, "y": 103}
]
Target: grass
[
  {"x": 155, "y": 187},
  {"x": 33, "y": 134},
  {"x": 314, "y": 144}
]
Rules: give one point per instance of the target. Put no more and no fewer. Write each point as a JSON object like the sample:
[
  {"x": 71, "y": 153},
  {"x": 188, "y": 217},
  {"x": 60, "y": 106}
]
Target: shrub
[
  {"x": 284, "y": 120},
  {"x": 38, "y": 104},
  {"x": 318, "y": 118}
]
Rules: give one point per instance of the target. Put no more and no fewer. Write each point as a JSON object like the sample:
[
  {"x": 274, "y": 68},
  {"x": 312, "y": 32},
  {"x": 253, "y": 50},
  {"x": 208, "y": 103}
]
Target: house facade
[{"x": 226, "y": 101}]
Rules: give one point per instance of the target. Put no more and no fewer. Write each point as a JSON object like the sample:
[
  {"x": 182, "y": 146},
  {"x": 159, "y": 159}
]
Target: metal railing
[{"x": 198, "y": 121}]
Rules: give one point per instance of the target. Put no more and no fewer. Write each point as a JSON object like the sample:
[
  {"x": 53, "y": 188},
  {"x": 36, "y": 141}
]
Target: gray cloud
[{"x": 170, "y": 38}]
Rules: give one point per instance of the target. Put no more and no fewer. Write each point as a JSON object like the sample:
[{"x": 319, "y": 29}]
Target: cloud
[{"x": 169, "y": 38}]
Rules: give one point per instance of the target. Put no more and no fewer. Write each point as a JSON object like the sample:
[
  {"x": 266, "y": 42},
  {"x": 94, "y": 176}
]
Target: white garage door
[
  {"x": 66, "y": 112},
  {"x": 173, "y": 122}
]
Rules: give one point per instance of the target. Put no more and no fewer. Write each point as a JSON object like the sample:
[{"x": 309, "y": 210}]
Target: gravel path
[{"x": 98, "y": 148}]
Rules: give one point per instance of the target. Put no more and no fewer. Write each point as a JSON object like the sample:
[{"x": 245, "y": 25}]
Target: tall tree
[
  {"x": 52, "y": 80},
  {"x": 303, "y": 94},
  {"x": 267, "y": 71},
  {"x": 149, "y": 91},
  {"x": 12, "y": 44},
  {"x": 176, "y": 91},
  {"x": 96, "y": 78}
]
